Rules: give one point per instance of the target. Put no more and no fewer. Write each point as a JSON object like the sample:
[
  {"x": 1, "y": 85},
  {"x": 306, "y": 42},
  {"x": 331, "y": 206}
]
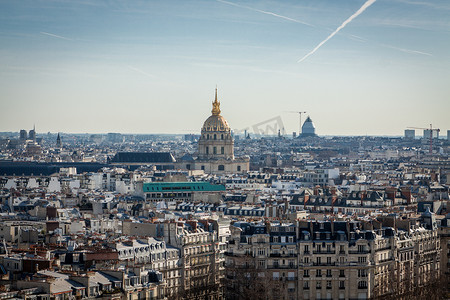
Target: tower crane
[
  {"x": 300, "y": 116},
  {"x": 431, "y": 129}
]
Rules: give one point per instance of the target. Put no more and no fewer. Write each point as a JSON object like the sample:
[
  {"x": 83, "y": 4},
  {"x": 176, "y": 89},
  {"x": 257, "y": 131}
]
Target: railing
[
  {"x": 324, "y": 264},
  {"x": 324, "y": 252},
  {"x": 358, "y": 252}
]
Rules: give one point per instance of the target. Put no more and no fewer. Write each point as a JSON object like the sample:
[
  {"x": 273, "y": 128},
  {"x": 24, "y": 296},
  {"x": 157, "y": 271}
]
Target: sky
[{"x": 357, "y": 67}]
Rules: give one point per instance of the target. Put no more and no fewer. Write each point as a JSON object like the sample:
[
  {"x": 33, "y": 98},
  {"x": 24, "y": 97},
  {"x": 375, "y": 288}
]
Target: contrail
[
  {"x": 140, "y": 71},
  {"x": 362, "y": 8},
  {"x": 266, "y": 12},
  {"x": 407, "y": 50},
  {"x": 56, "y": 36}
]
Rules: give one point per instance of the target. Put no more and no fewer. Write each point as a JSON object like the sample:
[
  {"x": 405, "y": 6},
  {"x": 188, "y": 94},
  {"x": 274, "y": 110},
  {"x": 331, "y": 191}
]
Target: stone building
[
  {"x": 202, "y": 245},
  {"x": 216, "y": 147},
  {"x": 332, "y": 260}
]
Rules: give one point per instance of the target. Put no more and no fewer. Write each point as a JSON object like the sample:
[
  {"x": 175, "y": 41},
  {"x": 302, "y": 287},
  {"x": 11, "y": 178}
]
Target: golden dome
[{"x": 215, "y": 122}]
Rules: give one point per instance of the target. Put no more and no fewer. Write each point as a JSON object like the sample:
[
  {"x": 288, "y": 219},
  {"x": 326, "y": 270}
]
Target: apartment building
[{"x": 332, "y": 260}]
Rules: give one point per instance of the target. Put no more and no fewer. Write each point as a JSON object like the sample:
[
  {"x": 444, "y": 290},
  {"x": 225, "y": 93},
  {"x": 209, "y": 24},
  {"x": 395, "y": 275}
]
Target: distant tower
[
  {"x": 410, "y": 134},
  {"x": 23, "y": 135},
  {"x": 32, "y": 134},
  {"x": 58, "y": 141},
  {"x": 308, "y": 128}
]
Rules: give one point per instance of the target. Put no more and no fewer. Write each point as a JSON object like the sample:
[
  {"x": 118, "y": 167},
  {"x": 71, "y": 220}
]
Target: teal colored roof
[{"x": 168, "y": 187}]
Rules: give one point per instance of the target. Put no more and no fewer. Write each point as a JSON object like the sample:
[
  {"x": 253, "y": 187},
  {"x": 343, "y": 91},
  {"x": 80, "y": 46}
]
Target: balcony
[
  {"x": 324, "y": 264},
  {"x": 358, "y": 252},
  {"x": 324, "y": 252}
]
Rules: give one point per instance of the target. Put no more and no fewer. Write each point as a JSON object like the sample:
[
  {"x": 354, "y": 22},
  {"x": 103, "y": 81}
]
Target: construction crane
[
  {"x": 431, "y": 129},
  {"x": 300, "y": 115}
]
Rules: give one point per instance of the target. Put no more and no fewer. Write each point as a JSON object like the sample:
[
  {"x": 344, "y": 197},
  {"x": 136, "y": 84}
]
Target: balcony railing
[{"x": 324, "y": 252}]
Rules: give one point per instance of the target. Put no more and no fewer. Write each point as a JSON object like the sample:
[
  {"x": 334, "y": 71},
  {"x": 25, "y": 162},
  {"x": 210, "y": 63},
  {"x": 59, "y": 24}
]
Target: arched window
[
  {"x": 222, "y": 136},
  {"x": 221, "y": 167}
]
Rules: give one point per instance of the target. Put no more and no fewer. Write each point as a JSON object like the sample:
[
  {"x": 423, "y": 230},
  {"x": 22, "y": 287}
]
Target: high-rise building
[
  {"x": 410, "y": 134},
  {"x": 23, "y": 134},
  {"x": 426, "y": 134},
  {"x": 32, "y": 134}
]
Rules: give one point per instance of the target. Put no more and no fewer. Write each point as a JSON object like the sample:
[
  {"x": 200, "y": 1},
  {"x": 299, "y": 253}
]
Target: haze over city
[{"x": 356, "y": 67}]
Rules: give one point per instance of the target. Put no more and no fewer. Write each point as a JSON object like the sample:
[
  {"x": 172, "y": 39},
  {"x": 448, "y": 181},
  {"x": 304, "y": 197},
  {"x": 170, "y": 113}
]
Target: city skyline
[{"x": 357, "y": 67}]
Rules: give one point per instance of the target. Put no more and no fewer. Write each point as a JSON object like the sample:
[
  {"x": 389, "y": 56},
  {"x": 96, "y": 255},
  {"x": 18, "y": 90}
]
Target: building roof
[
  {"x": 169, "y": 187},
  {"x": 143, "y": 157}
]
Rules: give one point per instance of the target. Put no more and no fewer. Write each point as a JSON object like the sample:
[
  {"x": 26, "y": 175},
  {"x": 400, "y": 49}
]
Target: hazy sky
[{"x": 152, "y": 66}]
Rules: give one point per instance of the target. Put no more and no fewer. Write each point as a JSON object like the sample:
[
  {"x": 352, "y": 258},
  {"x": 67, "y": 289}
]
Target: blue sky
[{"x": 152, "y": 66}]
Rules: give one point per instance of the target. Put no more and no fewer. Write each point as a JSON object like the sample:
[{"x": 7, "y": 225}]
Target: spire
[{"x": 216, "y": 106}]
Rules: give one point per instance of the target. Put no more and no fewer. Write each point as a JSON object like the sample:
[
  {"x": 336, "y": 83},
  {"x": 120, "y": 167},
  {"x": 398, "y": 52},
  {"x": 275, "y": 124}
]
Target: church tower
[
  {"x": 58, "y": 141},
  {"x": 215, "y": 140}
]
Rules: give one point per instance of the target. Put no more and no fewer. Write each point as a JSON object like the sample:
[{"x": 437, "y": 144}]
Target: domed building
[
  {"x": 216, "y": 146},
  {"x": 308, "y": 128}
]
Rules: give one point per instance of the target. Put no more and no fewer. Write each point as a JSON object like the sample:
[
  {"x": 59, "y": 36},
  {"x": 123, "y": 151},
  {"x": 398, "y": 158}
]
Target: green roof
[{"x": 170, "y": 187}]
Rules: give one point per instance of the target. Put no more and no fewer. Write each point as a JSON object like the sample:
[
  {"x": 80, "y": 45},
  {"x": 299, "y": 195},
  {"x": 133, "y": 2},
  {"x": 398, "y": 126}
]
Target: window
[
  {"x": 318, "y": 273},
  {"x": 203, "y": 168},
  {"x": 207, "y": 150},
  {"x": 291, "y": 263},
  {"x": 362, "y": 273},
  {"x": 276, "y": 275},
  {"x": 318, "y": 285},
  {"x": 328, "y": 260},
  {"x": 306, "y": 251},
  {"x": 214, "y": 150},
  {"x": 362, "y": 259},
  {"x": 215, "y": 136},
  {"x": 329, "y": 284},
  {"x": 221, "y": 167},
  {"x": 341, "y": 273},
  {"x": 306, "y": 285},
  {"x": 329, "y": 273},
  {"x": 222, "y": 150},
  {"x": 341, "y": 284},
  {"x": 318, "y": 260},
  {"x": 221, "y": 137},
  {"x": 362, "y": 285},
  {"x": 239, "y": 168},
  {"x": 305, "y": 273}
]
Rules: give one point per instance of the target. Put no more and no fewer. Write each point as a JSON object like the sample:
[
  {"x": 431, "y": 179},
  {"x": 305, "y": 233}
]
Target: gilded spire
[{"x": 216, "y": 106}]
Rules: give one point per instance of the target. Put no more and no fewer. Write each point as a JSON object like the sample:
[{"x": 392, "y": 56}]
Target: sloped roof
[{"x": 143, "y": 157}]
